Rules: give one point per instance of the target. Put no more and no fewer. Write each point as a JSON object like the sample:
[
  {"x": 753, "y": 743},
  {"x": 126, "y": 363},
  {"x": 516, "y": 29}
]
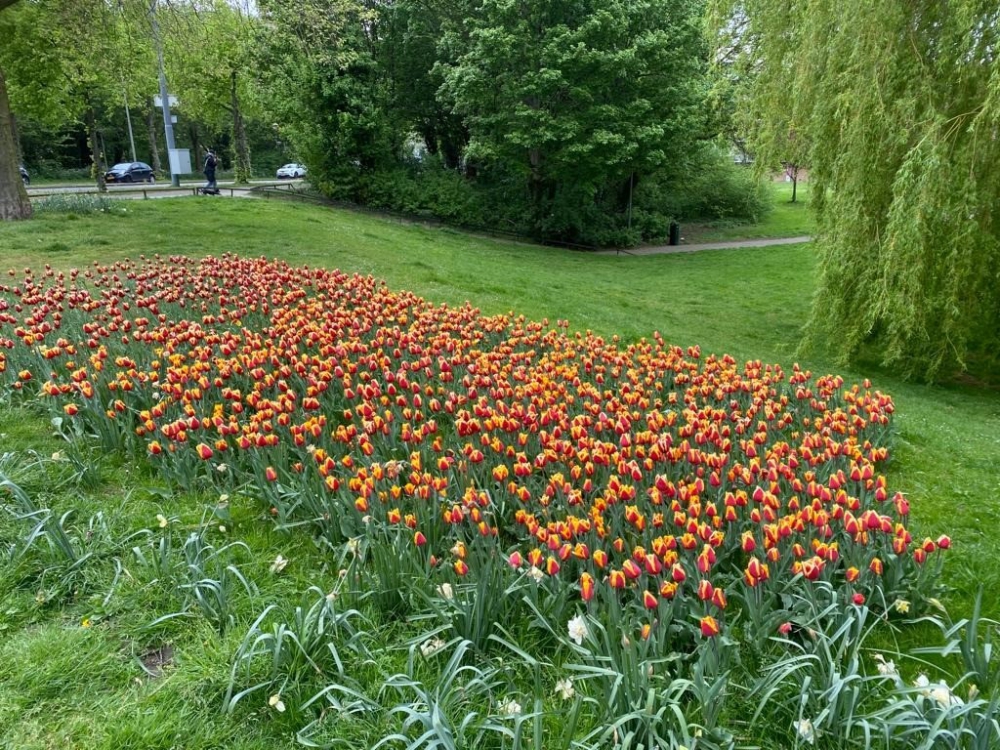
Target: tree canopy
[
  {"x": 899, "y": 103},
  {"x": 576, "y": 121}
]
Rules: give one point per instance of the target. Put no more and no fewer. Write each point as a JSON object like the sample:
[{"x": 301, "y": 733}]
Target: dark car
[
  {"x": 134, "y": 171},
  {"x": 24, "y": 176}
]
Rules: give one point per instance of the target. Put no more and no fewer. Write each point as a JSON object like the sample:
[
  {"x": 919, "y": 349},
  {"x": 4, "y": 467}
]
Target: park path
[{"x": 693, "y": 248}]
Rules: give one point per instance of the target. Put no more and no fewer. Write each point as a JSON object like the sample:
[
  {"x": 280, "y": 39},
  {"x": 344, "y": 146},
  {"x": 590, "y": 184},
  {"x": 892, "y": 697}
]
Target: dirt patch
[{"x": 155, "y": 661}]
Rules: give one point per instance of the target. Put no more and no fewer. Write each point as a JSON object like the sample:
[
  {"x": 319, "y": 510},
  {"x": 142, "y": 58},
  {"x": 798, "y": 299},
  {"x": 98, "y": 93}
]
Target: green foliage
[
  {"x": 536, "y": 118},
  {"x": 897, "y": 105},
  {"x": 577, "y": 98}
]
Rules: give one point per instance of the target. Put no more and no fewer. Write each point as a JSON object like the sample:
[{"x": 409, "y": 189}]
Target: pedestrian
[{"x": 211, "y": 161}]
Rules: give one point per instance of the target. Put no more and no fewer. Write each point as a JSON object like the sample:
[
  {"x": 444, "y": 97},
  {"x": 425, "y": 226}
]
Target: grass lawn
[
  {"x": 100, "y": 686},
  {"x": 786, "y": 219}
]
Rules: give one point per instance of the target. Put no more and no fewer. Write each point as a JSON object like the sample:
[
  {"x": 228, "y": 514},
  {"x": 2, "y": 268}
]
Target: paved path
[
  {"x": 661, "y": 249},
  {"x": 164, "y": 186}
]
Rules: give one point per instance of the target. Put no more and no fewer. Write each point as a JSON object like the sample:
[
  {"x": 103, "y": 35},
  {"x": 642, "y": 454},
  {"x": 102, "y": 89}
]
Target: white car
[{"x": 291, "y": 172}]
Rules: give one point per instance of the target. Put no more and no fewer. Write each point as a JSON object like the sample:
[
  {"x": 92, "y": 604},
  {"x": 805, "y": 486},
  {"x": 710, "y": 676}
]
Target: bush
[
  {"x": 497, "y": 199},
  {"x": 716, "y": 189}
]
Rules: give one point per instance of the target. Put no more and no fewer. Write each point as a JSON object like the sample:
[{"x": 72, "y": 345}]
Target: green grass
[
  {"x": 786, "y": 219},
  {"x": 64, "y": 685}
]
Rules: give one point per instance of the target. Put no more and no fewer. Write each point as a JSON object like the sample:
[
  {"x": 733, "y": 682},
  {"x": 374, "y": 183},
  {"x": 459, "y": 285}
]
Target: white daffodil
[
  {"x": 509, "y": 707},
  {"x": 937, "y": 691},
  {"x": 565, "y": 689},
  {"x": 431, "y": 646},
  {"x": 535, "y": 573},
  {"x": 445, "y": 591},
  {"x": 886, "y": 668},
  {"x": 161, "y": 521},
  {"x": 902, "y": 606},
  {"x": 279, "y": 564},
  {"x": 276, "y": 703},
  {"x": 804, "y": 728},
  {"x": 577, "y": 629}
]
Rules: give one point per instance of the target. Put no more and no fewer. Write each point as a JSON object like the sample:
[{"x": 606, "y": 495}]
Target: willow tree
[{"x": 899, "y": 102}]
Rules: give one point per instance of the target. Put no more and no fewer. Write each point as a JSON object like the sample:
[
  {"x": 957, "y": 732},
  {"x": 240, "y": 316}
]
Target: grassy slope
[
  {"x": 750, "y": 303},
  {"x": 786, "y": 219}
]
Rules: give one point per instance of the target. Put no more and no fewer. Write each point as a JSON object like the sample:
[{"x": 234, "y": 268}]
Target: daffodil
[
  {"x": 509, "y": 707},
  {"x": 565, "y": 689},
  {"x": 577, "y": 628},
  {"x": 805, "y": 730},
  {"x": 445, "y": 591},
  {"x": 431, "y": 646}
]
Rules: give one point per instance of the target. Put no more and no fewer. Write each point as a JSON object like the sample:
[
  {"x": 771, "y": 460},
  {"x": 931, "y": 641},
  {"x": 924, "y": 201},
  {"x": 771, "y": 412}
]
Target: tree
[
  {"x": 209, "y": 45},
  {"x": 899, "y": 103},
  {"x": 580, "y": 96},
  {"x": 14, "y": 203},
  {"x": 66, "y": 62},
  {"x": 319, "y": 64}
]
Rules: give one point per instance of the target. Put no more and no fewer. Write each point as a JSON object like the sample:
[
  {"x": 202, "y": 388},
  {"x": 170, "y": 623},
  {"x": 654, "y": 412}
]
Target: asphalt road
[{"x": 161, "y": 189}]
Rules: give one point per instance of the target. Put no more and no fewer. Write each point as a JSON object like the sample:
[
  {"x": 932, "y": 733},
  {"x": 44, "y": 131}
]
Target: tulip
[
  {"x": 204, "y": 452},
  {"x": 705, "y": 590},
  {"x": 677, "y": 573},
  {"x": 668, "y": 589},
  {"x": 709, "y": 627},
  {"x": 586, "y": 587}
]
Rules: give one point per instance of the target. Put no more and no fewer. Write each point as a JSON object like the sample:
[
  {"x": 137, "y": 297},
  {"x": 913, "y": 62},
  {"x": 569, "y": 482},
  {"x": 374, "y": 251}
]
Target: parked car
[
  {"x": 291, "y": 171},
  {"x": 135, "y": 171},
  {"x": 24, "y": 176}
]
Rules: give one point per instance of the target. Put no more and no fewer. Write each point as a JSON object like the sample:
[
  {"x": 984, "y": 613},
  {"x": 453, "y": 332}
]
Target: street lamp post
[{"x": 168, "y": 123}]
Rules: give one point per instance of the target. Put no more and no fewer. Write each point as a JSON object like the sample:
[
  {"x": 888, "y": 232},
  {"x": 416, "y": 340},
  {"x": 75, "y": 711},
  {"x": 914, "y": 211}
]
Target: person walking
[{"x": 211, "y": 162}]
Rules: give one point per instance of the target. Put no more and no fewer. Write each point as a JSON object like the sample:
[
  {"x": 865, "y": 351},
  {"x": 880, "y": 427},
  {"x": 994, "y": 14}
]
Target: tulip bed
[
  {"x": 650, "y": 515},
  {"x": 643, "y": 477}
]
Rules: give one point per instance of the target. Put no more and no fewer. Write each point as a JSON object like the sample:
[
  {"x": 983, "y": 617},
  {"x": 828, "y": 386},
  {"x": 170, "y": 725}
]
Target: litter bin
[{"x": 675, "y": 233}]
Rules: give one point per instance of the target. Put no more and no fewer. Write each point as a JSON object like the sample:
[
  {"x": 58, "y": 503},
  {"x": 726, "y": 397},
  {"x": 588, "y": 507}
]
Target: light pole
[{"x": 168, "y": 123}]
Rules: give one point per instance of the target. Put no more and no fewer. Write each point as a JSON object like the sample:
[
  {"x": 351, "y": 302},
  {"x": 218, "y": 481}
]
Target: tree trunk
[
  {"x": 16, "y": 135},
  {"x": 795, "y": 181},
  {"x": 154, "y": 148},
  {"x": 196, "y": 153},
  {"x": 14, "y": 203},
  {"x": 95, "y": 150},
  {"x": 240, "y": 142}
]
